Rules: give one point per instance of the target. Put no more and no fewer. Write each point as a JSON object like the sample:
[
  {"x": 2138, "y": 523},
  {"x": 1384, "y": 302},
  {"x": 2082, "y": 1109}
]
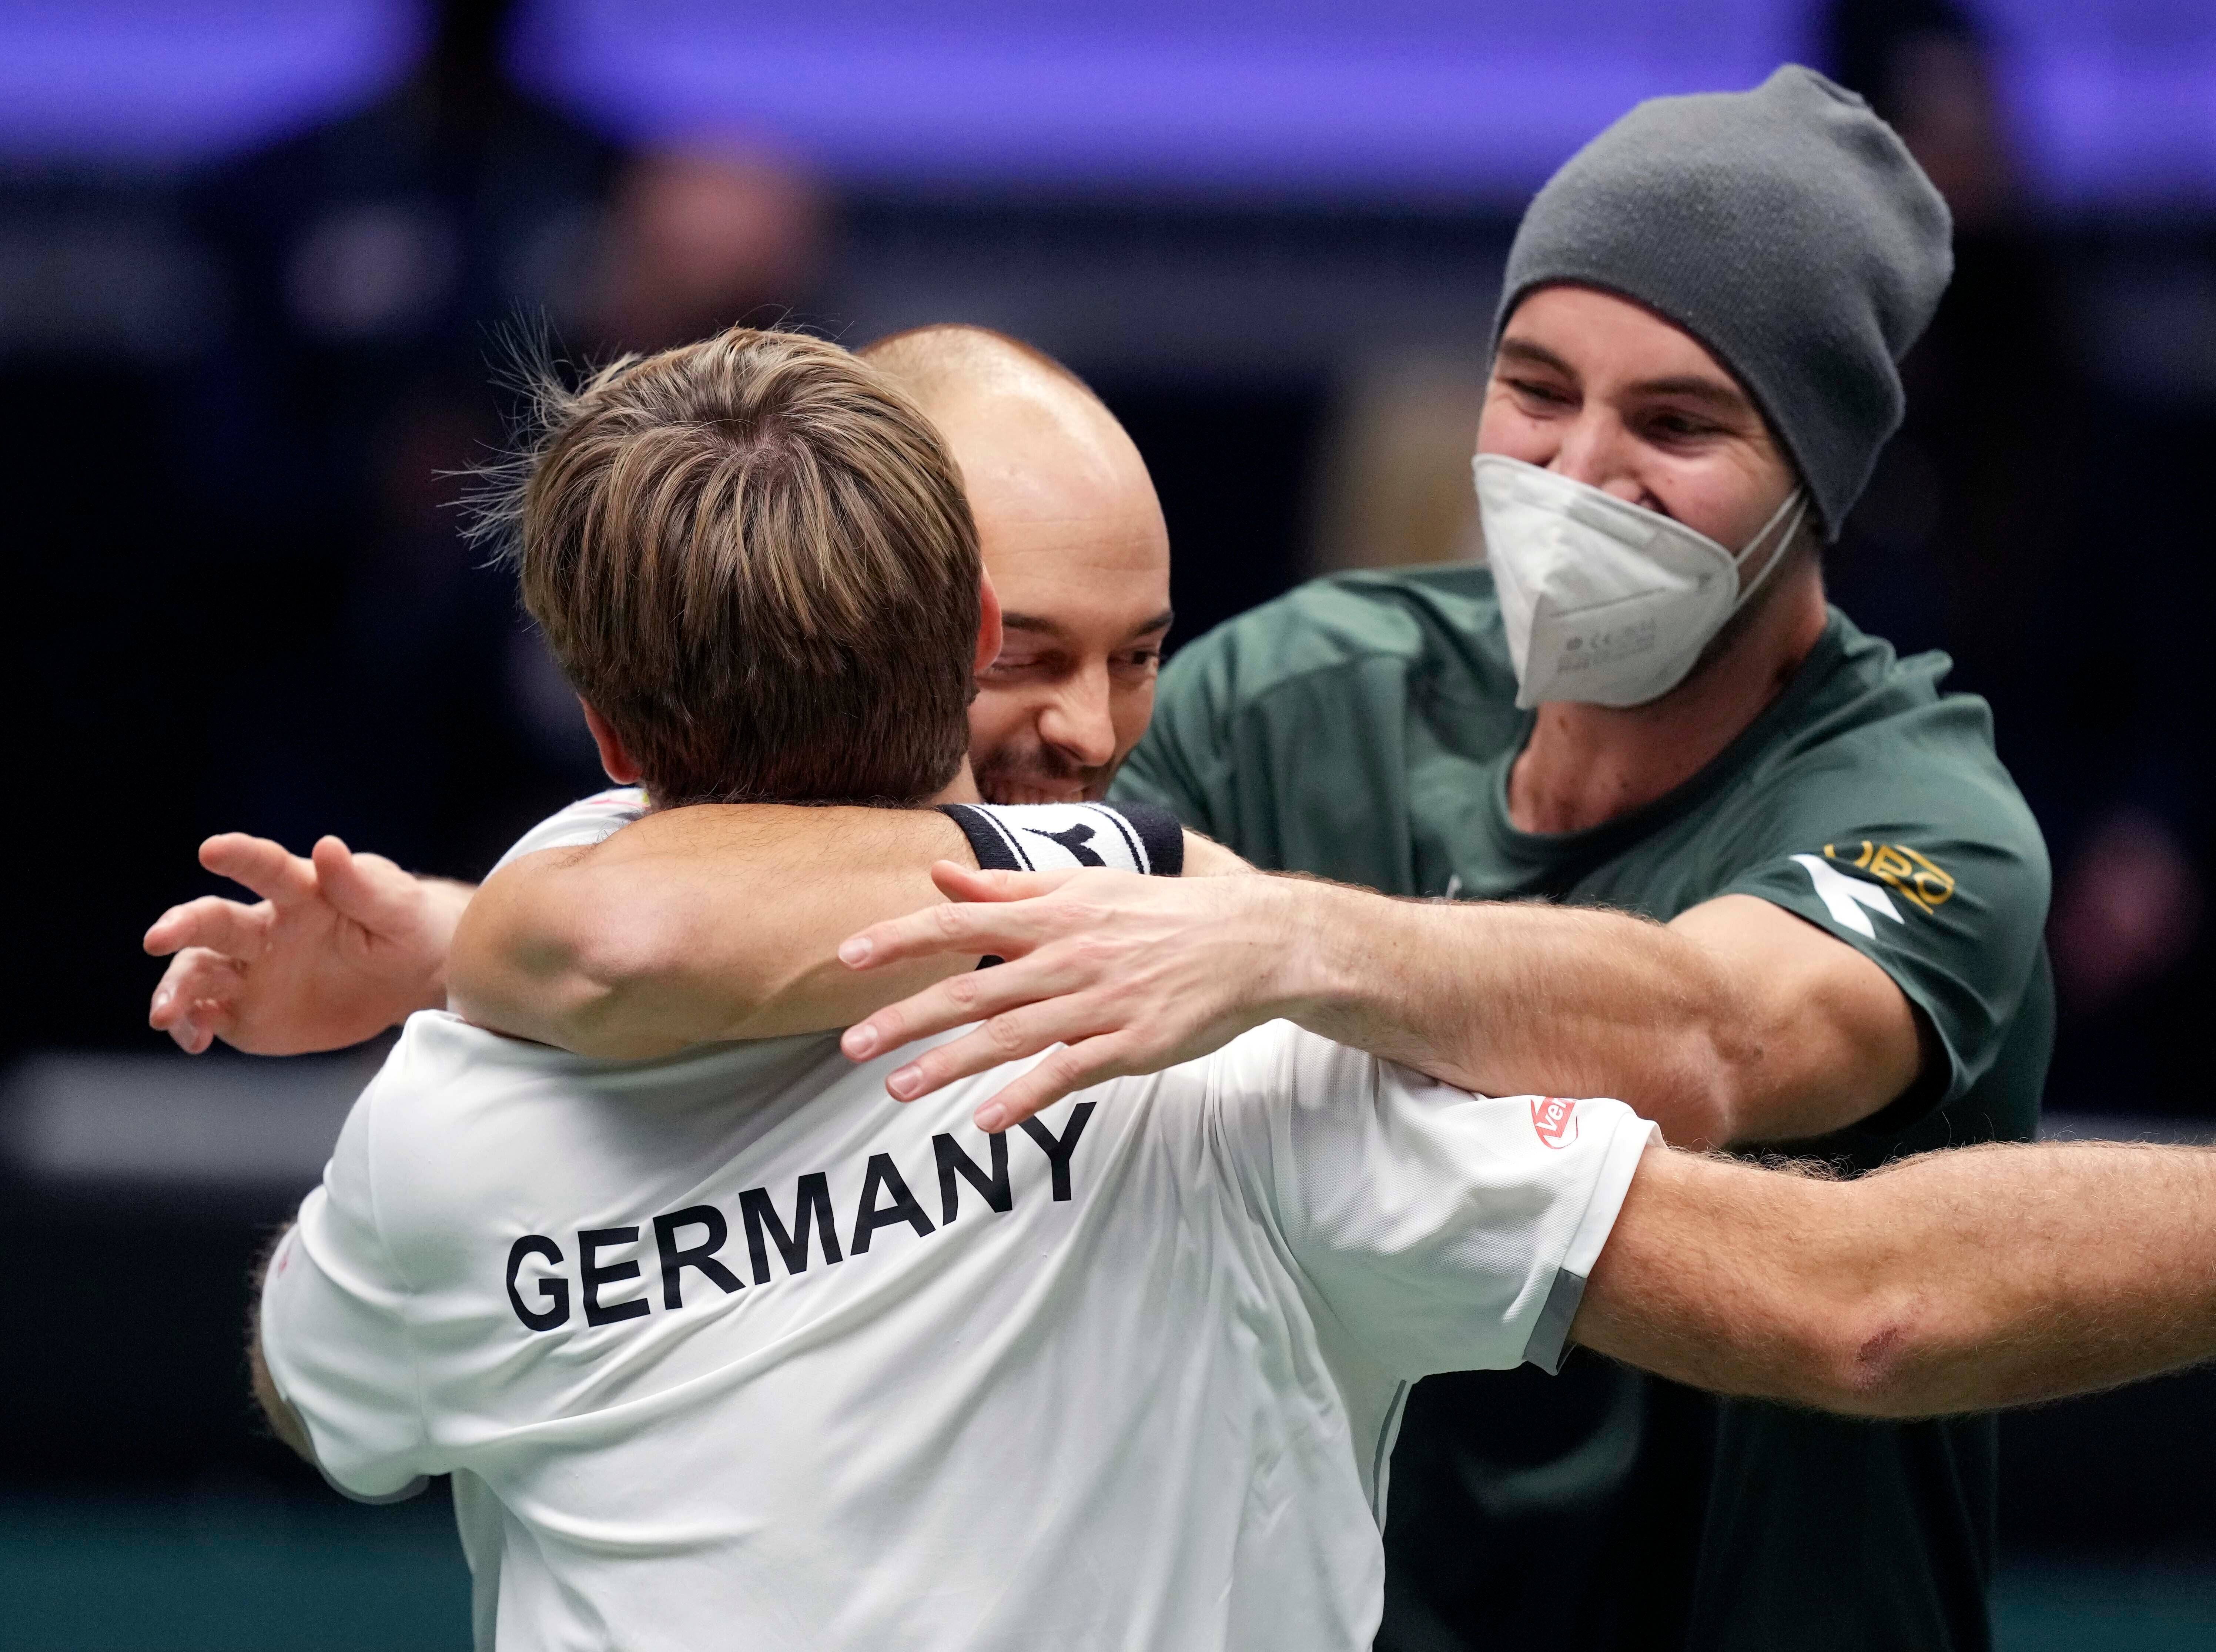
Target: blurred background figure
[
  {"x": 382, "y": 264},
  {"x": 259, "y": 263},
  {"x": 1393, "y": 482},
  {"x": 2034, "y": 516}
]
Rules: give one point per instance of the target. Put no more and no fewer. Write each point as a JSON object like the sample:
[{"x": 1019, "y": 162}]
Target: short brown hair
[{"x": 752, "y": 556}]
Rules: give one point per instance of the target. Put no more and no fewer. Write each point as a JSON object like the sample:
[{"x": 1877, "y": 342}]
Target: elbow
[
  {"x": 592, "y": 997},
  {"x": 1869, "y": 1358},
  {"x": 1704, "y": 1066},
  {"x": 599, "y": 1002},
  {"x": 1708, "y": 1099},
  {"x": 573, "y": 982}
]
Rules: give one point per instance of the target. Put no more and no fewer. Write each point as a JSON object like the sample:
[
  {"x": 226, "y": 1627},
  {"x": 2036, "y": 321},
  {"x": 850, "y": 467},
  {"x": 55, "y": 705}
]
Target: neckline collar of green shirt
[{"x": 1547, "y": 850}]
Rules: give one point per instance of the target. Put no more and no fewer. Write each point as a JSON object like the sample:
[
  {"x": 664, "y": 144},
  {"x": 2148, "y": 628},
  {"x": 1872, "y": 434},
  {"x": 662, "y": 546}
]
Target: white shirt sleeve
[
  {"x": 588, "y": 821},
  {"x": 1442, "y": 1231},
  {"x": 335, "y": 1331}
]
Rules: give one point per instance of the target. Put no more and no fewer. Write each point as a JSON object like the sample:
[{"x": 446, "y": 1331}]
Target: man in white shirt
[
  {"x": 729, "y": 1346},
  {"x": 735, "y": 1350}
]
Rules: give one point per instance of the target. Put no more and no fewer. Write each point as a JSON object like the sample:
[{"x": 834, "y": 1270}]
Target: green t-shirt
[{"x": 1361, "y": 728}]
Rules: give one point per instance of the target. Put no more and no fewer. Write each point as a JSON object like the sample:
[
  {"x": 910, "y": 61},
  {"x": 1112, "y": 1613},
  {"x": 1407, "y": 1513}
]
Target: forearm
[
  {"x": 1508, "y": 998},
  {"x": 697, "y": 925},
  {"x": 2008, "y": 1274},
  {"x": 1960, "y": 1281}
]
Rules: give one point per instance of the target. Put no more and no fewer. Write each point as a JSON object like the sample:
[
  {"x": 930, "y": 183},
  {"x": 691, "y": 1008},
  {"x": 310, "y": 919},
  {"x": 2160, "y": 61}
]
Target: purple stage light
[
  {"x": 2112, "y": 102},
  {"x": 107, "y": 81}
]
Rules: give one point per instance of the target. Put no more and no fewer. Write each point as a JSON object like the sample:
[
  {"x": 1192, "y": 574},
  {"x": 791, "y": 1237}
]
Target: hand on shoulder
[{"x": 1130, "y": 974}]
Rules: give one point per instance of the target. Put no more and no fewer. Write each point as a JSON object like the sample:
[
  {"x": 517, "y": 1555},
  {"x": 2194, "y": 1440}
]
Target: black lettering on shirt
[
  {"x": 1057, "y": 1152},
  {"x": 701, "y": 1256},
  {"x": 886, "y": 1201},
  {"x": 953, "y": 1162},
  {"x": 590, "y": 1243},
  {"x": 554, "y": 1290},
  {"x": 811, "y": 1207},
  {"x": 884, "y": 1173}
]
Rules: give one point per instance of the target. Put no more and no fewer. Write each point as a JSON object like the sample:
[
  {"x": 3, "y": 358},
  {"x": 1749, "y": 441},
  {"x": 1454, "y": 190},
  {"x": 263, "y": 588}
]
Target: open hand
[
  {"x": 1129, "y": 973},
  {"x": 339, "y": 948}
]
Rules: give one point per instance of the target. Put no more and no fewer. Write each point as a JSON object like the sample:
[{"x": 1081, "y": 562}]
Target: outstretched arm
[
  {"x": 1959, "y": 1281},
  {"x": 695, "y": 925},
  {"x": 1738, "y": 1023},
  {"x": 340, "y": 946},
  {"x": 705, "y": 923}
]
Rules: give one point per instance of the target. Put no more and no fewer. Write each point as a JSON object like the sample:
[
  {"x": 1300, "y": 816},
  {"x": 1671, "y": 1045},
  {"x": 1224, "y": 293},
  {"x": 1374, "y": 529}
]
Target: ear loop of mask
[{"x": 1797, "y": 502}]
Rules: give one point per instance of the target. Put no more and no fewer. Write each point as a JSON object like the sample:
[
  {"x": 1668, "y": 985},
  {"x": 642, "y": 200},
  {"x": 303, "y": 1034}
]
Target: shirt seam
[{"x": 1380, "y": 1457}]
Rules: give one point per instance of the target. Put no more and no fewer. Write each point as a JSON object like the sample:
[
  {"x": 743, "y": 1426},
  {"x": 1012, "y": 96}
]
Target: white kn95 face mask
[{"x": 1604, "y": 601}]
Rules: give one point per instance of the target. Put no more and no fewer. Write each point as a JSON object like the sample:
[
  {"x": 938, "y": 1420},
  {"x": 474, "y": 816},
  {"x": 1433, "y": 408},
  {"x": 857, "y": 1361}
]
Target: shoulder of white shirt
[{"x": 588, "y": 821}]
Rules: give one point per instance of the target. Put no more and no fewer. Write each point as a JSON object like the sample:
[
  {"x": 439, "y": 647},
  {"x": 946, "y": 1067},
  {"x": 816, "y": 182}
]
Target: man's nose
[
  {"x": 1078, "y": 720},
  {"x": 1596, "y": 450}
]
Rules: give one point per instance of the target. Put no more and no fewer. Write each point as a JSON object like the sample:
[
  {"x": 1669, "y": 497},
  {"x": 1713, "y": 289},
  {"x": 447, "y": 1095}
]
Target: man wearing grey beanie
[
  {"x": 1832, "y": 895},
  {"x": 1719, "y": 853}
]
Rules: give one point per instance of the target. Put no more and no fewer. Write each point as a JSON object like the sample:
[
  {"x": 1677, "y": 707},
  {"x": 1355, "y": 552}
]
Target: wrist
[
  {"x": 1311, "y": 977},
  {"x": 1204, "y": 857},
  {"x": 1343, "y": 974}
]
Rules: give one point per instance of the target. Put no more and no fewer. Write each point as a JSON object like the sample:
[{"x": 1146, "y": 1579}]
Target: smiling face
[
  {"x": 1599, "y": 389},
  {"x": 1072, "y": 538}
]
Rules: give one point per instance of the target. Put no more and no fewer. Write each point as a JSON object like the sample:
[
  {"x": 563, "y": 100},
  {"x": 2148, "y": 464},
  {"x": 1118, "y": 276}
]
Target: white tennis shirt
[{"x": 732, "y": 1350}]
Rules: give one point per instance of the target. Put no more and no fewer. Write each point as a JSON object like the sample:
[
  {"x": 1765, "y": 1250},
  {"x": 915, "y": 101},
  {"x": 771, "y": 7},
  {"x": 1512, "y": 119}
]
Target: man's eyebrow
[
  {"x": 1536, "y": 355},
  {"x": 1047, "y": 627},
  {"x": 1716, "y": 392},
  {"x": 1160, "y": 621}
]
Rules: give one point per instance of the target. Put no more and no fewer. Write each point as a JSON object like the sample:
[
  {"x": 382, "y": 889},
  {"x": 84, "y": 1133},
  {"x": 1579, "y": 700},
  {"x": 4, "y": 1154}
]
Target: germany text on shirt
[{"x": 738, "y": 1351}]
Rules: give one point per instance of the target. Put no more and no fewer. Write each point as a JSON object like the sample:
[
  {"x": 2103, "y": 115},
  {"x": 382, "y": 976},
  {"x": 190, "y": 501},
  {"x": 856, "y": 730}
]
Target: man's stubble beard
[{"x": 1032, "y": 773}]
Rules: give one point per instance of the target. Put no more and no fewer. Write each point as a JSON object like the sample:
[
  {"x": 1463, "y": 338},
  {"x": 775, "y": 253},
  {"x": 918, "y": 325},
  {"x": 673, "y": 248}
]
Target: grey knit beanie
[{"x": 1787, "y": 228}]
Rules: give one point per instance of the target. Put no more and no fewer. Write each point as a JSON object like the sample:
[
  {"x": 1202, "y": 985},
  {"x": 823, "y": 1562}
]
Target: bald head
[
  {"x": 954, "y": 356},
  {"x": 1074, "y": 544},
  {"x": 1029, "y": 434}
]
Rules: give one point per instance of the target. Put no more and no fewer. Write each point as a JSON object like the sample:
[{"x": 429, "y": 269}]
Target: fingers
[
  {"x": 213, "y": 922},
  {"x": 959, "y": 883},
  {"x": 172, "y": 992},
  {"x": 367, "y": 889},
  {"x": 1009, "y": 1036},
  {"x": 957, "y": 1001},
  {"x": 267, "y": 869},
  {"x": 973, "y": 931},
  {"x": 194, "y": 1002},
  {"x": 1092, "y": 1062}
]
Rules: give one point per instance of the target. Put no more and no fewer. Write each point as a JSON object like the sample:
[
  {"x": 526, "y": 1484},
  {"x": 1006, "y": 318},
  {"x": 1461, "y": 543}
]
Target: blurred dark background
[{"x": 260, "y": 265}]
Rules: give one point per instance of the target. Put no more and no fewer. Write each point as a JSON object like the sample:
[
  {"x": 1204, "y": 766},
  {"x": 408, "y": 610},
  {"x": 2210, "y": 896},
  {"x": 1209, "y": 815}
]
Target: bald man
[
  {"x": 341, "y": 946},
  {"x": 1073, "y": 540}
]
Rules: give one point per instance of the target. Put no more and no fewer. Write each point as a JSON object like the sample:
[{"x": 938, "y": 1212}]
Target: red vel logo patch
[{"x": 1556, "y": 1119}]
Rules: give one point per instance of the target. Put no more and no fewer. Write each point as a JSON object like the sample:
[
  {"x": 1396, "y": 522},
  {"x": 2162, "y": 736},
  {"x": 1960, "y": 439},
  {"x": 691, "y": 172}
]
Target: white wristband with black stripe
[{"x": 1063, "y": 837}]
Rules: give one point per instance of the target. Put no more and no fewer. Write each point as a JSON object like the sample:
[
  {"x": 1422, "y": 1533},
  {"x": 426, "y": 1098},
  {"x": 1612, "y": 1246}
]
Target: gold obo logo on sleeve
[{"x": 1917, "y": 877}]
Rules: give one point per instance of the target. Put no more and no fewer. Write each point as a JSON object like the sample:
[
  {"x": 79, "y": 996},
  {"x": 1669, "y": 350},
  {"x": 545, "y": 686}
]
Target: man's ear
[
  {"x": 988, "y": 625},
  {"x": 618, "y": 761}
]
